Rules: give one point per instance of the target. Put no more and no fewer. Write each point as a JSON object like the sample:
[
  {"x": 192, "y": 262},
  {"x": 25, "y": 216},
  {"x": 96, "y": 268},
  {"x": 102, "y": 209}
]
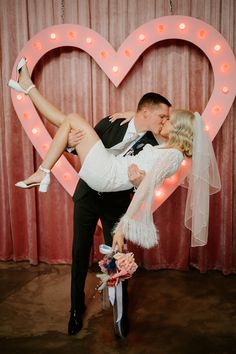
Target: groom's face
[{"x": 157, "y": 116}]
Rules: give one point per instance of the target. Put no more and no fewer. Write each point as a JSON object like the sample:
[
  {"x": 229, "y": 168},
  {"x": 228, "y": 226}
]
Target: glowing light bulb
[
  {"x": 202, "y": 34},
  {"x": 66, "y": 176},
  {"x": 225, "y": 89},
  {"x": 216, "y": 109},
  {"x": 89, "y": 40},
  {"x": 35, "y": 131},
  {"x": 115, "y": 69},
  {"x": 19, "y": 97},
  {"x": 53, "y": 36},
  {"x": 159, "y": 193},
  {"x": 161, "y": 28},
  {"x": 217, "y": 47},
  {"x": 72, "y": 34},
  {"x": 224, "y": 67},
  {"x": 182, "y": 26},
  {"x": 45, "y": 146},
  {"x": 207, "y": 128},
  {"x": 141, "y": 37},
  {"x": 26, "y": 115},
  {"x": 127, "y": 52},
  {"x": 184, "y": 163},
  {"x": 104, "y": 54},
  {"x": 37, "y": 45}
]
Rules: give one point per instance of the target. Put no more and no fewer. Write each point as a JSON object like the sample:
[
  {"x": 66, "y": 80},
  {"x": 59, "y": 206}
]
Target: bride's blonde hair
[{"x": 181, "y": 135}]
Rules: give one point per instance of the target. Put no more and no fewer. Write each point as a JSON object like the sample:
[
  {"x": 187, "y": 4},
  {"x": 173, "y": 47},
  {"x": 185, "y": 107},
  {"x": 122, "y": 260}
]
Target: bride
[{"x": 105, "y": 172}]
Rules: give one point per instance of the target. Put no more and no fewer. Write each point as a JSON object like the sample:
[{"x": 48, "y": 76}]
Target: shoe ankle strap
[
  {"x": 44, "y": 169},
  {"x": 29, "y": 88}
]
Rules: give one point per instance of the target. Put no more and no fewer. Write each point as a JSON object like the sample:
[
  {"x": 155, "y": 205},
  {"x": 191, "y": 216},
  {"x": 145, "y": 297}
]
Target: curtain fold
[{"x": 39, "y": 227}]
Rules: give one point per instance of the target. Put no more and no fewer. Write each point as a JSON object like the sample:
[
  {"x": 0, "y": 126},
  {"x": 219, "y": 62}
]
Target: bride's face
[{"x": 166, "y": 128}]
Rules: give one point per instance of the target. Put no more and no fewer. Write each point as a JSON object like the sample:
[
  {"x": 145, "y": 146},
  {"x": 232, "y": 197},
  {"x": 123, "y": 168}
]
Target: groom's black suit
[{"x": 90, "y": 206}]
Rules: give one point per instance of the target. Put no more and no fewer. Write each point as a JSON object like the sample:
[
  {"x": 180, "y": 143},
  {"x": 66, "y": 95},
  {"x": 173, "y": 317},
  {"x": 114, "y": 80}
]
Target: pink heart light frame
[{"x": 116, "y": 65}]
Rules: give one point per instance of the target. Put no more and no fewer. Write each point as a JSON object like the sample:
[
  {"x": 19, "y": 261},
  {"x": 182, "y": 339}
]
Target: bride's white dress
[{"x": 105, "y": 172}]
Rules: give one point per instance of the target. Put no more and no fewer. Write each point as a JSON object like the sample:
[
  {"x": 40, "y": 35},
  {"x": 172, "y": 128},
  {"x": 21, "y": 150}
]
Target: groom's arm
[
  {"x": 103, "y": 128},
  {"x": 100, "y": 128}
]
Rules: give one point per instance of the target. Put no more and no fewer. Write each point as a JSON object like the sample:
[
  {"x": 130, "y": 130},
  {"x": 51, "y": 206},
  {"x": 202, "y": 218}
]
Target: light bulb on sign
[
  {"x": 216, "y": 109},
  {"x": 53, "y": 36},
  {"x": 202, "y": 34},
  {"x": 217, "y": 47},
  {"x": 161, "y": 28},
  {"x": 37, "y": 45},
  {"x": 225, "y": 89},
  {"x": 72, "y": 34},
  {"x": 224, "y": 67},
  {"x": 127, "y": 52},
  {"x": 66, "y": 176},
  {"x": 141, "y": 37},
  {"x": 182, "y": 26},
  {"x": 45, "y": 147},
  {"x": 19, "y": 97},
  {"x": 184, "y": 163},
  {"x": 104, "y": 54},
  {"x": 158, "y": 193},
  {"x": 26, "y": 115},
  {"x": 207, "y": 128},
  {"x": 35, "y": 131},
  {"x": 89, "y": 40},
  {"x": 115, "y": 69}
]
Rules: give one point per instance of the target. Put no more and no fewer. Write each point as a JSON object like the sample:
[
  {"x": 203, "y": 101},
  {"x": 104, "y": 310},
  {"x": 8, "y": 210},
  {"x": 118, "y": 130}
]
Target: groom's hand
[
  {"x": 135, "y": 175},
  {"x": 75, "y": 137}
]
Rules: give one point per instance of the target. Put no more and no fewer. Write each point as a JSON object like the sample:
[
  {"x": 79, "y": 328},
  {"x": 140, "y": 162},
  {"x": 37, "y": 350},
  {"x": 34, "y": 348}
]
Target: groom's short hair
[{"x": 152, "y": 98}]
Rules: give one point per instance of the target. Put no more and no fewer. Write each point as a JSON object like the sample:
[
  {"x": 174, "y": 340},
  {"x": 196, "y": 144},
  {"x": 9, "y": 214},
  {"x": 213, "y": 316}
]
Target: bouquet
[{"x": 115, "y": 267}]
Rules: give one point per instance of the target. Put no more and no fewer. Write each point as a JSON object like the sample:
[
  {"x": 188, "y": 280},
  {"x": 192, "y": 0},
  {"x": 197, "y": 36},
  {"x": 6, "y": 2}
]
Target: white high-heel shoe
[
  {"x": 20, "y": 65},
  {"x": 43, "y": 185},
  {"x": 15, "y": 84}
]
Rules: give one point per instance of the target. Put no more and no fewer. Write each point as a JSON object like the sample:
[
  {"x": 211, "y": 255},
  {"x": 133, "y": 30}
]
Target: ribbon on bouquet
[{"x": 113, "y": 292}]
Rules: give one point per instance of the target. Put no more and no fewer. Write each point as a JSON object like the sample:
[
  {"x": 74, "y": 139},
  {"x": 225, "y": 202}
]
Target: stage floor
[{"x": 170, "y": 312}]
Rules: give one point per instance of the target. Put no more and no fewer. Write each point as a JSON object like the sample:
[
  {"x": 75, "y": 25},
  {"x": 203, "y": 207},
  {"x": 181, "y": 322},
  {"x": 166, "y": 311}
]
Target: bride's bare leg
[
  {"x": 54, "y": 116},
  {"x": 73, "y": 121}
]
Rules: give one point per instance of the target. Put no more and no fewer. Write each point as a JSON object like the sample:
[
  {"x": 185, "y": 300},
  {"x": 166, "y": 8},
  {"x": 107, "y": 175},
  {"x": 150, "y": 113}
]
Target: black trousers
[{"x": 109, "y": 207}]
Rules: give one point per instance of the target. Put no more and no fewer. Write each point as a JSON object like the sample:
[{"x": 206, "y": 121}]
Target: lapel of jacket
[{"x": 114, "y": 134}]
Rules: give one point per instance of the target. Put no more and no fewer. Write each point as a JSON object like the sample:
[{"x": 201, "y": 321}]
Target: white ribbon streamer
[{"x": 113, "y": 292}]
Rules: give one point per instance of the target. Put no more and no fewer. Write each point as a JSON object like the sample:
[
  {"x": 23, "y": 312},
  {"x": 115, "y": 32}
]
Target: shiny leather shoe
[{"x": 76, "y": 322}]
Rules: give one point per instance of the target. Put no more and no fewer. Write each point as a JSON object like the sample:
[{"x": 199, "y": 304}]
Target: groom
[{"x": 90, "y": 206}]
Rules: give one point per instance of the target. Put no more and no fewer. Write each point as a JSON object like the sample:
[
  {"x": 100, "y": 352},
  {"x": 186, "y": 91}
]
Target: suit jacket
[{"x": 111, "y": 134}]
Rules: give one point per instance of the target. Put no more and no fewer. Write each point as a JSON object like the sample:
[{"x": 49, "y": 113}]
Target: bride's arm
[{"x": 137, "y": 224}]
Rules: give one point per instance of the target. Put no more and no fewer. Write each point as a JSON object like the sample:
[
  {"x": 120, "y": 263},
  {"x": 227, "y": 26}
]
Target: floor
[{"x": 171, "y": 312}]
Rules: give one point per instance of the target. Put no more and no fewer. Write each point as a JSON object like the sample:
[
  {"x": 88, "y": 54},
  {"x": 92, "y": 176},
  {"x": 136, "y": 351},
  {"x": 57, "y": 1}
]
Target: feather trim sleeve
[{"x": 137, "y": 224}]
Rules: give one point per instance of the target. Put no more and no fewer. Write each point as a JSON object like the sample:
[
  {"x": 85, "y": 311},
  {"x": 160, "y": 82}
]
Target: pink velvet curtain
[{"x": 38, "y": 227}]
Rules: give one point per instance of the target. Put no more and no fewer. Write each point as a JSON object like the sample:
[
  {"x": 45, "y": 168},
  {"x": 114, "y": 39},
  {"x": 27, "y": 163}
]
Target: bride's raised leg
[
  {"x": 48, "y": 110},
  {"x": 73, "y": 121}
]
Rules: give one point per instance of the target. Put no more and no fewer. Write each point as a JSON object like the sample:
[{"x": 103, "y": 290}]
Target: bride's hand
[
  {"x": 135, "y": 175},
  {"x": 75, "y": 137},
  {"x": 118, "y": 239},
  {"x": 127, "y": 115}
]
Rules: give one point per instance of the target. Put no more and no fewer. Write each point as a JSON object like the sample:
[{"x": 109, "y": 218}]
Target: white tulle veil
[{"x": 203, "y": 181}]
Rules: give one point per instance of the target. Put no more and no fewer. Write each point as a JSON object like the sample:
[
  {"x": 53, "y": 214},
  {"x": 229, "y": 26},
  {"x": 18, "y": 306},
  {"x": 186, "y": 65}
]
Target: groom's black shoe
[{"x": 76, "y": 321}]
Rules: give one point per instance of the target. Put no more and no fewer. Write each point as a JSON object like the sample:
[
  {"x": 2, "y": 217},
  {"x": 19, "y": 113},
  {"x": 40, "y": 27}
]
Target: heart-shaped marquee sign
[{"x": 116, "y": 65}]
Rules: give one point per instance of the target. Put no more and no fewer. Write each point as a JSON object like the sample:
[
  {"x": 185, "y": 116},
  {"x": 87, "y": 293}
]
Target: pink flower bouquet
[{"x": 116, "y": 267}]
